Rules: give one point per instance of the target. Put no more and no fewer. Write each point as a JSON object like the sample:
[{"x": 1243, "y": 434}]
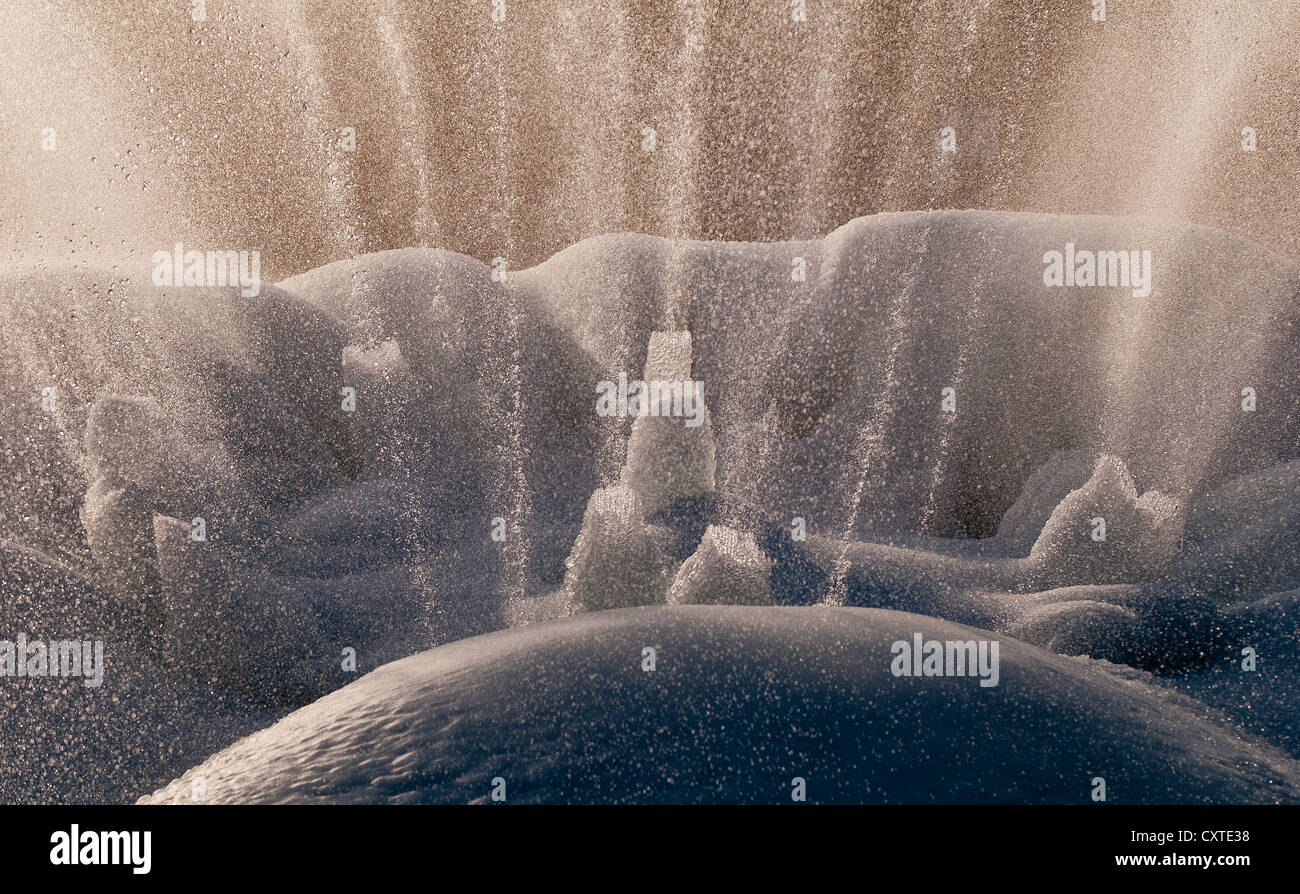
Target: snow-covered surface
[
  {"x": 615, "y": 562},
  {"x": 728, "y": 568},
  {"x": 742, "y": 700},
  {"x": 374, "y": 529}
]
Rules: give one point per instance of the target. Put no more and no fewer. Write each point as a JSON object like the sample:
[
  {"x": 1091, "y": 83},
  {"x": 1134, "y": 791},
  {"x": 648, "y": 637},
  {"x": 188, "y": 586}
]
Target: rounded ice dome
[{"x": 739, "y": 704}]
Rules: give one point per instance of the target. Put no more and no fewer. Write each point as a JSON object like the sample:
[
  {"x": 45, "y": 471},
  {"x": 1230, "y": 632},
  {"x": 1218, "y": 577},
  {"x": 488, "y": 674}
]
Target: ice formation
[
  {"x": 615, "y": 563},
  {"x": 743, "y": 700},
  {"x": 728, "y": 568},
  {"x": 395, "y": 452}
]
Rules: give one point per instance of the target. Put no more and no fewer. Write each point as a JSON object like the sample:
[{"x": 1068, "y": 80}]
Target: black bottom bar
[{"x": 646, "y": 845}]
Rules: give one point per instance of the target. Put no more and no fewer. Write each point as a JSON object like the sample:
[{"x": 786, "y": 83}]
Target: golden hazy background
[{"x": 519, "y": 138}]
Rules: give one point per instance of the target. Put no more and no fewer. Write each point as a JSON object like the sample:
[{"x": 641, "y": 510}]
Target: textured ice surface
[
  {"x": 127, "y": 412},
  {"x": 615, "y": 563},
  {"x": 1103, "y": 531},
  {"x": 669, "y": 460},
  {"x": 728, "y": 568},
  {"x": 742, "y": 700}
]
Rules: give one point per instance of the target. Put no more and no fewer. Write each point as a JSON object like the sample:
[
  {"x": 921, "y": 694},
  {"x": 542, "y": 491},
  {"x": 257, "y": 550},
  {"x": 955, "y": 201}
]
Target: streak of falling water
[
  {"x": 682, "y": 169},
  {"x": 506, "y": 200},
  {"x": 415, "y": 113},
  {"x": 338, "y": 173},
  {"x": 343, "y": 208},
  {"x": 974, "y": 15},
  {"x": 417, "y": 116},
  {"x": 873, "y": 434},
  {"x": 940, "y": 477},
  {"x": 768, "y": 470},
  {"x": 872, "y": 438},
  {"x": 819, "y": 109},
  {"x": 601, "y": 176}
]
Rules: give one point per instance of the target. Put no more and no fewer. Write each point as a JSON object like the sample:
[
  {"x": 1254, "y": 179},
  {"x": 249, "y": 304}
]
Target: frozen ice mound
[
  {"x": 227, "y": 628},
  {"x": 1240, "y": 536},
  {"x": 129, "y": 441},
  {"x": 45, "y": 597},
  {"x": 1103, "y": 532},
  {"x": 253, "y": 377},
  {"x": 366, "y": 529},
  {"x": 899, "y": 299},
  {"x": 669, "y": 459},
  {"x": 1264, "y": 636},
  {"x": 285, "y": 640},
  {"x": 1156, "y": 628},
  {"x": 742, "y": 700},
  {"x": 1095, "y": 530},
  {"x": 728, "y": 568},
  {"x": 1153, "y": 625},
  {"x": 615, "y": 563},
  {"x": 491, "y": 381},
  {"x": 474, "y": 402},
  {"x": 1064, "y": 472}
]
